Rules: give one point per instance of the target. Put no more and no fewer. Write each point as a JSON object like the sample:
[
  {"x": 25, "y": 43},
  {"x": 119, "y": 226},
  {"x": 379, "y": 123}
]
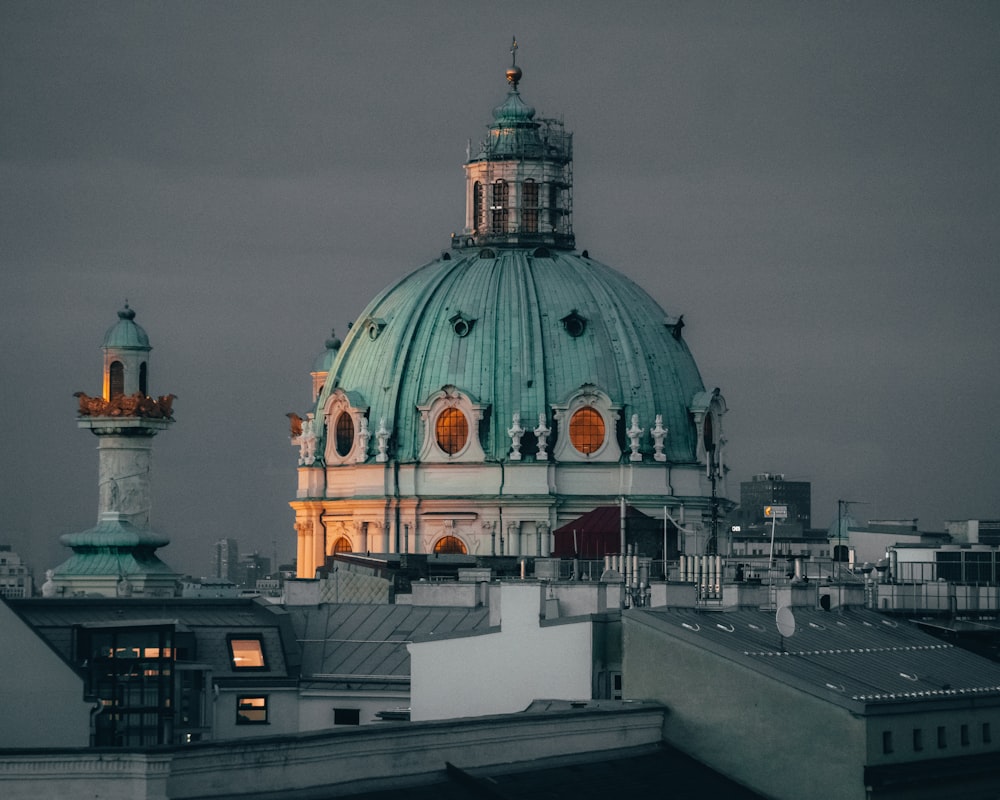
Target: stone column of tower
[{"x": 117, "y": 556}]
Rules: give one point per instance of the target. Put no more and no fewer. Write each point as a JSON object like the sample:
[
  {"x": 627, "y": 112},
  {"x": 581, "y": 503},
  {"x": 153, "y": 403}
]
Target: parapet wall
[{"x": 323, "y": 764}]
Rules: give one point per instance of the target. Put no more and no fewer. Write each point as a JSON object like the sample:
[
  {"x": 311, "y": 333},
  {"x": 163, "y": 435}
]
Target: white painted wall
[
  {"x": 498, "y": 673},
  {"x": 41, "y": 696}
]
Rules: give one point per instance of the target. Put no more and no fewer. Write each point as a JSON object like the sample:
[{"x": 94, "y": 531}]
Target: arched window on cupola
[
  {"x": 477, "y": 206},
  {"x": 142, "y": 378},
  {"x": 342, "y": 545},
  {"x": 116, "y": 382},
  {"x": 498, "y": 207},
  {"x": 529, "y": 206}
]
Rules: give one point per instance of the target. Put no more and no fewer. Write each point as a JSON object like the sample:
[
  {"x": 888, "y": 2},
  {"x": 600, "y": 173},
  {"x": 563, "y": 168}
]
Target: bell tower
[{"x": 117, "y": 557}]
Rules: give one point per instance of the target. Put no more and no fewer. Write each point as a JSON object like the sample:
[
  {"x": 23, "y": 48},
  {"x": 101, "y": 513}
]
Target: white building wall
[
  {"x": 499, "y": 673},
  {"x": 41, "y": 696}
]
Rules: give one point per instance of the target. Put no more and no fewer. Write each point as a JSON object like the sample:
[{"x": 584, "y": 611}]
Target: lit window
[
  {"x": 586, "y": 430},
  {"x": 343, "y": 545},
  {"x": 450, "y": 544},
  {"x": 344, "y": 432},
  {"x": 251, "y": 710},
  {"x": 247, "y": 652},
  {"x": 452, "y": 429}
]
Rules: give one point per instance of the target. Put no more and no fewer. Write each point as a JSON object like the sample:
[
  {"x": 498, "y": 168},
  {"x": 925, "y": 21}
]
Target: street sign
[{"x": 776, "y": 512}]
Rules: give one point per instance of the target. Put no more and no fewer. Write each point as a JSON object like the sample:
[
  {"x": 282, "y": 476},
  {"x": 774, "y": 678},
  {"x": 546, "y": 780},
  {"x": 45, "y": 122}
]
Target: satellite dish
[{"x": 785, "y": 620}]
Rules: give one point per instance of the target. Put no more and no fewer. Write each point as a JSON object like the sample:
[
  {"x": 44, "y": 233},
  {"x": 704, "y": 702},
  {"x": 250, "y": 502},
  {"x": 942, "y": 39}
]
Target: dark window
[
  {"x": 918, "y": 739},
  {"x": 251, "y": 710},
  {"x": 247, "y": 652},
  {"x": 978, "y": 567},
  {"x": 346, "y": 716},
  {"x": 942, "y": 736},
  {"x": 142, "y": 377},
  {"x": 344, "y": 434},
  {"x": 949, "y": 566},
  {"x": 886, "y": 741},
  {"x": 529, "y": 207},
  {"x": 452, "y": 430},
  {"x": 116, "y": 385},
  {"x": 498, "y": 207},
  {"x": 987, "y": 735},
  {"x": 965, "y": 735},
  {"x": 477, "y": 206}
]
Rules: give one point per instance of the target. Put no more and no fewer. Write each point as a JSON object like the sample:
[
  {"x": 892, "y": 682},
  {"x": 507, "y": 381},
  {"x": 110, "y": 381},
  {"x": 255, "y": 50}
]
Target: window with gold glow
[
  {"x": 451, "y": 430},
  {"x": 344, "y": 434},
  {"x": 586, "y": 430},
  {"x": 251, "y": 710},
  {"x": 247, "y": 652},
  {"x": 343, "y": 545},
  {"x": 450, "y": 544}
]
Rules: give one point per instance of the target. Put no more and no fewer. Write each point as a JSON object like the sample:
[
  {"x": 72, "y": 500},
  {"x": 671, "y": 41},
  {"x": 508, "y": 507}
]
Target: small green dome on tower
[{"x": 126, "y": 334}]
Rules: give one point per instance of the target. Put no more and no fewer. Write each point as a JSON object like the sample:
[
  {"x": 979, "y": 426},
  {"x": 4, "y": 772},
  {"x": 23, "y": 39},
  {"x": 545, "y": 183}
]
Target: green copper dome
[
  {"x": 518, "y": 331},
  {"x": 126, "y": 334}
]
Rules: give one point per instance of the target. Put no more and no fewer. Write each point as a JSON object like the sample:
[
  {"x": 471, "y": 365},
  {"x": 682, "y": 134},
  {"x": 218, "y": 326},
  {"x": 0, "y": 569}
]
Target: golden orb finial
[{"x": 514, "y": 71}]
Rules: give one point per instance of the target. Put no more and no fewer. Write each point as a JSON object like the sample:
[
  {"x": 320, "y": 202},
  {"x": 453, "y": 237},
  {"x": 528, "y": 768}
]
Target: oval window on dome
[
  {"x": 586, "y": 430},
  {"x": 452, "y": 430},
  {"x": 344, "y": 434}
]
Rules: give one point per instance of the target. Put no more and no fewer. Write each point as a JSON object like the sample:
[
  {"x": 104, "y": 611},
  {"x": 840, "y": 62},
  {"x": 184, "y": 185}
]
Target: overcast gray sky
[{"x": 815, "y": 186}]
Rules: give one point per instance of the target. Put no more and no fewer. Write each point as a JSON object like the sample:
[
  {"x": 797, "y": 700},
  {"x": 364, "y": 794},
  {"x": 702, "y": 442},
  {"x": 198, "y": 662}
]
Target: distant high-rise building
[
  {"x": 15, "y": 577},
  {"x": 226, "y": 560},
  {"x": 769, "y": 489},
  {"x": 253, "y": 567}
]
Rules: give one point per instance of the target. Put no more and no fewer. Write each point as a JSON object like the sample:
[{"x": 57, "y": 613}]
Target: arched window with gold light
[
  {"x": 586, "y": 430},
  {"x": 343, "y": 545},
  {"x": 585, "y": 427},
  {"x": 451, "y": 430},
  {"x": 451, "y": 422},
  {"x": 450, "y": 545}
]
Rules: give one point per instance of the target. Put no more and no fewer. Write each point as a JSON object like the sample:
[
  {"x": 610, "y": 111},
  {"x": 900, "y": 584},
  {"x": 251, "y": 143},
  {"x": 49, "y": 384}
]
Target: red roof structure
[{"x": 598, "y": 533}]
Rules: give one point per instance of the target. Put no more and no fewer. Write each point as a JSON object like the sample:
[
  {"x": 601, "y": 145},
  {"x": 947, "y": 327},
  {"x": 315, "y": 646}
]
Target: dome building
[{"x": 507, "y": 387}]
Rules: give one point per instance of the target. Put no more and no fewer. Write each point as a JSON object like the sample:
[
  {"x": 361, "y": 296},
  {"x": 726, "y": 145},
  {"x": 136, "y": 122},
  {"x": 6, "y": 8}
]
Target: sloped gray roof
[
  {"x": 211, "y": 621},
  {"x": 854, "y": 657},
  {"x": 350, "y": 643}
]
